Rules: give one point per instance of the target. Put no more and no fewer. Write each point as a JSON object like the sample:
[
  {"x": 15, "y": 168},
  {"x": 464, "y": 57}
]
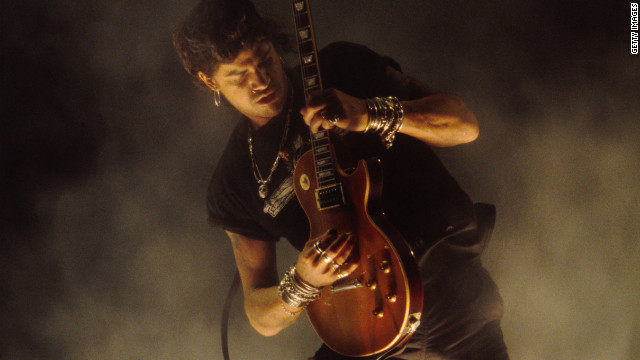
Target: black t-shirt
[{"x": 419, "y": 195}]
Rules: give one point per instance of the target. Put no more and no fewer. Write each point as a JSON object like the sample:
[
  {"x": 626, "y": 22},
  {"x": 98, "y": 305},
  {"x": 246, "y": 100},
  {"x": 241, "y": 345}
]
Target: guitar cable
[{"x": 224, "y": 323}]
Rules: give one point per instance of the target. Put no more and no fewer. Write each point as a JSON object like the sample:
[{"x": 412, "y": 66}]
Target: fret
[
  {"x": 311, "y": 81},
  {"x": 321, "y": 142},
  {"x": 322, "y": 149},
  {"x": 325, "y": 174},
  {"x": 308, "y": 71},
  {"x": 308, "y": 91},
  {"x": 302, "y": 20},
  {"x": 306, "y": 47},
  {"x": 325, "y": 168}
]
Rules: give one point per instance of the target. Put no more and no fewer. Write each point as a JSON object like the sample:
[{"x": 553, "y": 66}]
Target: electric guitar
[{"x": 378, "y": 306}]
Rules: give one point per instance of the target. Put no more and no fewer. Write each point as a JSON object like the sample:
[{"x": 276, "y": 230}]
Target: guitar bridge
[{"x": 328, "y": 197}]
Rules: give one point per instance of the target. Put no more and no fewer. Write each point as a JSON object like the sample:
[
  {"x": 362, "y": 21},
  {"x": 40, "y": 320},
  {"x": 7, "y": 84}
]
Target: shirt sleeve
[{"x": 229, "y": 204}]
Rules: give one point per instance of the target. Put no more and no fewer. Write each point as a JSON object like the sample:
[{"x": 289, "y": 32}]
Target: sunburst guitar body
[{"x": 378, "y": 306}]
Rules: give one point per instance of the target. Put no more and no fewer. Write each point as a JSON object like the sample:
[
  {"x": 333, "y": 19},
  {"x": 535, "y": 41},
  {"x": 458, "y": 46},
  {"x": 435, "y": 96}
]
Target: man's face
[{"x": 254, "y": 83}]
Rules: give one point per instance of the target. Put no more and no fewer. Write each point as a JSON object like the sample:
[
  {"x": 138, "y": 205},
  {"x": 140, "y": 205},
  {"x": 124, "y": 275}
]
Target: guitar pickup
[
  {"x": 346, "y": 286},
  {"x": 328, "y": 197}
]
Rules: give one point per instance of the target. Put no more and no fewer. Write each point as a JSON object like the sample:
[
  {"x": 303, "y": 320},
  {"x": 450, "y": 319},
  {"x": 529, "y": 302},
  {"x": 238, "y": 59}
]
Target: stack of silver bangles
[
  {"x": 385, "y": 118},
  {"x": 296, "y": 292}
]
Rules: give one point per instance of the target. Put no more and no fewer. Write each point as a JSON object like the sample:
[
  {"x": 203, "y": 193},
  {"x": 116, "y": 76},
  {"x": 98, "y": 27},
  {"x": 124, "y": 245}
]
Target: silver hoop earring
[{"x": 216, "y": 97}]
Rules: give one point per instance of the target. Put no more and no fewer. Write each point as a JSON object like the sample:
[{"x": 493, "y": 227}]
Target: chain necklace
[{"x": 263, "y": 188}]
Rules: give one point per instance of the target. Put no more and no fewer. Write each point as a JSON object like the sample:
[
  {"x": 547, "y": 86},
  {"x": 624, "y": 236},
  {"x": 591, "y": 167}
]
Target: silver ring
[
  {"x": 342, "y": 275},
  {"x": 336, "y": 266},
  {"x": 333, "y": 119},
  {"x": 326, "y": 258},
  {"x": 317, "y": 247}
]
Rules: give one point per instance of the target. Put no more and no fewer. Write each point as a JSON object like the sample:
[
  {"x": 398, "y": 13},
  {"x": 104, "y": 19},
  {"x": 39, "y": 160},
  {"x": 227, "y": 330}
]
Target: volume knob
[{"x": 385, "y": 267}]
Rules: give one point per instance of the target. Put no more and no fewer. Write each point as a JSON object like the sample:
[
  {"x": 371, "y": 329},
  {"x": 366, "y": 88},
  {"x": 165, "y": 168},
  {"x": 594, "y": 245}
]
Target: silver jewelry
[
  {"x": 296, "y": 292},
  {"x": 332, "y": 119},
  {"x": 326, "y": 258},
  {"x": 216, "y": 97},
  {"x": 316, "y": 246},
  {"x": 335, "y": 266},
  {"x": 289, "y": 312},
  {"x": 342, "y": 275},
  {"x": 263, "y": 184},
  {"x": 386, "y": 116}
]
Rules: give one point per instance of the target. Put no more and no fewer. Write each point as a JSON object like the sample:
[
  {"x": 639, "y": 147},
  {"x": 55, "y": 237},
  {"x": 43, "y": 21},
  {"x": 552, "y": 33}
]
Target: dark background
[{"x": 106, "y": 150}]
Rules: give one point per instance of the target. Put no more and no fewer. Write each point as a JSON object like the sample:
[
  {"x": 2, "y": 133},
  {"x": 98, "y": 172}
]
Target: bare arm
[
  {"x": 256, "y": 262},
  {"x": 437, "y": 119}
]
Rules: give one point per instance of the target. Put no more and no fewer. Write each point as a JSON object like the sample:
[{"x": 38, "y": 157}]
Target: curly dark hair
[{"x": 215, "y": 31}]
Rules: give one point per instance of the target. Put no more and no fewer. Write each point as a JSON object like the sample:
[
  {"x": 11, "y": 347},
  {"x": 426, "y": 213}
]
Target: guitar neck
[
  {"x": 307, "y": 50},
  {"x": 311, "y": 80}
]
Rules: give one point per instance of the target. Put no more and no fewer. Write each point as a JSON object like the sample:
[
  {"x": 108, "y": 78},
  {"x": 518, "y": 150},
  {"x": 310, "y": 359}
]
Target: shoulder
[
  {"x": 341, "y": 46},
  {"x": 230, "y": 167},
  {"x": 355, "y": 69},
  {"x": 352, "y": 53}
]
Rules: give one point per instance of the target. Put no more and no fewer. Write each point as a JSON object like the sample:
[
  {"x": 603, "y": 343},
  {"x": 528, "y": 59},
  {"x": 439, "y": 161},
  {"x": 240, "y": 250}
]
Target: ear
[{"x": 207, "y": 81}]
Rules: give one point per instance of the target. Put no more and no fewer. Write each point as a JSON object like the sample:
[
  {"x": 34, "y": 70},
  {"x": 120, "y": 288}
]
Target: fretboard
[
  {"x": 306, "y": 47},
  {"x": 311, "y": 80}
]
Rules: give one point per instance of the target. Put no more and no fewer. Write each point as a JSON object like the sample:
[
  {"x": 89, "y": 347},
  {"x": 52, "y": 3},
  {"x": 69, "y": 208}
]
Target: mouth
[{"x": 268, "y": 97}]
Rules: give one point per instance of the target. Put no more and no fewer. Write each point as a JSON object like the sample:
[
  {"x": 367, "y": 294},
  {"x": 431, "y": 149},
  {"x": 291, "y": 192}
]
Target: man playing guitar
[{"x": 229, "y": 50}]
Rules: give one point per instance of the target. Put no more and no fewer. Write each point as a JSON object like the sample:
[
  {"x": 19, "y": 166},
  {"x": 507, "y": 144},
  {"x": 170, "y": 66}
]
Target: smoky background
[{"x": 107, "y": 148}]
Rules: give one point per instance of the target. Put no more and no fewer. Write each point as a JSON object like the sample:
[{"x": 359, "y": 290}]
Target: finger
[
  {"x": 312, "y": 118},
  {"x": 343, "y": 271},
  {"x": 324, "y": 240},
  {"x": 335, "y": 245},
  {"x": 349, "y": 268},
  {"x": 329, "y": 255},
  {"x": 339, "y": 252},
  {"x": 341, "y": 240},
  {"x": 327, "y": 125},
  {"x": 344, "y": 251},
  {"x": 320, "y": 97},
  {"x": 310, "y": 111}
]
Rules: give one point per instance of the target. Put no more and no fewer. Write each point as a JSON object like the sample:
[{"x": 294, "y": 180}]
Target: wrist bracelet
[
  {"x": 289, "y": 312},
  {"x": 296, "y": 292},
  {"x": 386, "y": 116}
]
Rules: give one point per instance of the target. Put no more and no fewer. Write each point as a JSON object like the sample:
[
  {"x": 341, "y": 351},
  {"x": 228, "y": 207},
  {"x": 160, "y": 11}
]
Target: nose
[{"x": 261, "y": 79}]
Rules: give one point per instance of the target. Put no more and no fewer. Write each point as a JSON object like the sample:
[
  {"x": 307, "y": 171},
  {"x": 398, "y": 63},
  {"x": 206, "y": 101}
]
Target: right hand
[{"x": 319, "y": 271}]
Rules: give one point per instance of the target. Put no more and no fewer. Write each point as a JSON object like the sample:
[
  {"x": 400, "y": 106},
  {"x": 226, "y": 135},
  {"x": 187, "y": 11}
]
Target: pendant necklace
[{"x": 263, "y": 188}]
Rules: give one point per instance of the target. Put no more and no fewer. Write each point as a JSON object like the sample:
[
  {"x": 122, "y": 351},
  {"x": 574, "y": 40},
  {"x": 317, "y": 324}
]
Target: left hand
[{"x": 351, "y": 111}]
